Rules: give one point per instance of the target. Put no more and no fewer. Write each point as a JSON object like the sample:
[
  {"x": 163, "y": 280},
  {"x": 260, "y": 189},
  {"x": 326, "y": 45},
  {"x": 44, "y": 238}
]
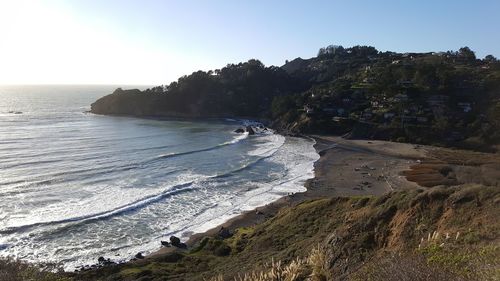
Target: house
[
  {"x": 465, "y": 106},
  {"x": 366, "y": 115},
  {"x": 338, "y": 119},
  {"x": 408, "y": 118},
  {"x": 405, "y": 83},
  {"x": 341, "y": 112},
  {"x": 437, "y": 100},
  {"x": 439, "y": 54},
  {"x": 422, "y": 119},
  {"x": 329, "y": 111},
  {"x": 376, "y": 104},
  {"x": 346, "y": 100},
  {"x": 389, "y": 115},
  {"x": 309, "y": 110},
  {"x": 455, "y": 136},
  {"x": 401, "y": 98}
]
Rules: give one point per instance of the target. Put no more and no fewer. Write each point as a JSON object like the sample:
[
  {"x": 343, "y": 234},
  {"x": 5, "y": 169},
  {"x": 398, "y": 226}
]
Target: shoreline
[{"x": 345, "y": 168}]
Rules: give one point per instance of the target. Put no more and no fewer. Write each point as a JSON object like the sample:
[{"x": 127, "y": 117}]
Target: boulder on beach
[
  {"x": 250, "y": 130},
  {"x": 175, "y": 241},
  {"x": 139, "y": 256},
  {"x": 239, "y": 130},
  {"x": 224, "y": 233},
  {"x": 165, "y": 243}
]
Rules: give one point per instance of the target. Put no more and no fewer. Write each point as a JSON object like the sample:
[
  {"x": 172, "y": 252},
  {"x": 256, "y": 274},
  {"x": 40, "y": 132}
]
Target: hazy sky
[{"x": 155, "y": 42}]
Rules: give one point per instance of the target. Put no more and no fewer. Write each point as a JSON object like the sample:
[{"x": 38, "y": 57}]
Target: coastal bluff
[
  {"x": 125, "y": 102},
  {"x": 446, "y": 99}
]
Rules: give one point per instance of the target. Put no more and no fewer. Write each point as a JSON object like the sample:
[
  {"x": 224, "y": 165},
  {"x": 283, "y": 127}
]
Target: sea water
[{"x": 75, "y": 186}]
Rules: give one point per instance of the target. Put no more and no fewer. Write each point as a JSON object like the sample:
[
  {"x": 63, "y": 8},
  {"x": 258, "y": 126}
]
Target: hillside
[
  {"x": 437, "y": 234},
  {"x": 446, "y": 98}
]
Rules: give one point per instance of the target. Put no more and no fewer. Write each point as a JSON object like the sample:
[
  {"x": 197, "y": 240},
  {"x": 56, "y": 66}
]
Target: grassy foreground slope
[{"x": 437, "y": 234}]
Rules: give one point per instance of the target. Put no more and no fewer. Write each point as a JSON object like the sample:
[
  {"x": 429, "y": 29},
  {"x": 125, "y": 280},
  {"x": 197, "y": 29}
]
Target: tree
[
  {"x": 321, "y": 52},
  {"x": 467, "y": 53},
  {"x": 490, "y": 58}
]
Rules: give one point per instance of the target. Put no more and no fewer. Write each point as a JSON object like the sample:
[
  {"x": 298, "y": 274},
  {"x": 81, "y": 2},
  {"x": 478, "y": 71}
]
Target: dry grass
[
  {"x": 402, "y": 268},
  {"x": 311, "y": 268},
  {"x": 454, "y": 252},
  {"x": 430, "y": 174},
  {"x": 464, "y": 157}
]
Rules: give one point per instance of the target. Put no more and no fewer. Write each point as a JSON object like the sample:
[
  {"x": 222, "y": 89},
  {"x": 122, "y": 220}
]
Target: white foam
[
  {"x": 237, "y": 138},
  {"x": 298, "y": 155},
  {"x": 270, "y": 143}
]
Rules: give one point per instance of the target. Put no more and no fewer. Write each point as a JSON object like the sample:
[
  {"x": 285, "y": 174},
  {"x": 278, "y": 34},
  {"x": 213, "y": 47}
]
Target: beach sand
[{"x": 345, "y": 168}]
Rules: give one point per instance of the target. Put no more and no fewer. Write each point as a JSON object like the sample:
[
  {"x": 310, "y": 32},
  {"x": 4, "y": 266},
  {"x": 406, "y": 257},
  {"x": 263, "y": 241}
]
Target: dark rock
[
  {"x": 139, "y": 256},
  {"x": 224, "y": 233},
  {"x": 250, "y": 130},
  {"x": 239, "y": 130},
  {"x": 101, "y": 260},
  {"x": 175, "y": 241},
  {"x": 182, "y": 246},
  {"x": 165, "y": 243}
]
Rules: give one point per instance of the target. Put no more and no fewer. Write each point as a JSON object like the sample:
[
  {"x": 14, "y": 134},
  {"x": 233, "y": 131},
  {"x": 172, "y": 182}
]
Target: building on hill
[{"x": 436, "y": 100}]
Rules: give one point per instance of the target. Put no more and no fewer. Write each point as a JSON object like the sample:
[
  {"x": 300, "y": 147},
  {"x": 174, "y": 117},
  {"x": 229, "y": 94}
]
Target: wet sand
[{"x": 345, "y": 168}]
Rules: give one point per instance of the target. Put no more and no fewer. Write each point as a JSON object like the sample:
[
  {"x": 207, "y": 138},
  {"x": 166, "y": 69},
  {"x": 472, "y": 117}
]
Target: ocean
[{"x": 75, "y": 186}]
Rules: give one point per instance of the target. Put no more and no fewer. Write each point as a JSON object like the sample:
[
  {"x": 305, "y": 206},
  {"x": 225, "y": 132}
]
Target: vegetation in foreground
[
  {"x": 15, "y": 270},
  {"x": 443, "y": 233}
]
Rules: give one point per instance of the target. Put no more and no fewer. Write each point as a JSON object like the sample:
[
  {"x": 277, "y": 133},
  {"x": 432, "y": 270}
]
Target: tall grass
[{"x": 312, "y": 268}]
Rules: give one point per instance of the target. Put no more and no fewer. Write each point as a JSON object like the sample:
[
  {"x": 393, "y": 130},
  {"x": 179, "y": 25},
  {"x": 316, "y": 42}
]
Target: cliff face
[
  {"x": 124, "y": 102},
  {"x": 136, "y": 103},
  {"x": 246, "y": 89}
]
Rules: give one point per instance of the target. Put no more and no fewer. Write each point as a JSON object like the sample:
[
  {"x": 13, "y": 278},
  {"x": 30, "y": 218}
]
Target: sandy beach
[{"x": 345, "y": 168}]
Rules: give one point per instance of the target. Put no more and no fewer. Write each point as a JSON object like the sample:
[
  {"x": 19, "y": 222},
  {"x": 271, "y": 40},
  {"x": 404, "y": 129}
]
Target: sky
[{"x": 153, "y": 42}]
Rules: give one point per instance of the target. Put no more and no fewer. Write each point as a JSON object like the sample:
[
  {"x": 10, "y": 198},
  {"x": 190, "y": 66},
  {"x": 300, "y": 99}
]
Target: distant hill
[{"x": 442, "y": 98}]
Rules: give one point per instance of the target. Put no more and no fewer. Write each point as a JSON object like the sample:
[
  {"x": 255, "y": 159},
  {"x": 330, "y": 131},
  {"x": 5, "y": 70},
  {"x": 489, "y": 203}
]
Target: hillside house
[
  {"x": 437, "y": 100},
  {"x": 465, "y": 106},
  {"x": 389, "y": 115},
  {"x": 401, "y": 98},
  {"x": 422, "y": 119}
]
